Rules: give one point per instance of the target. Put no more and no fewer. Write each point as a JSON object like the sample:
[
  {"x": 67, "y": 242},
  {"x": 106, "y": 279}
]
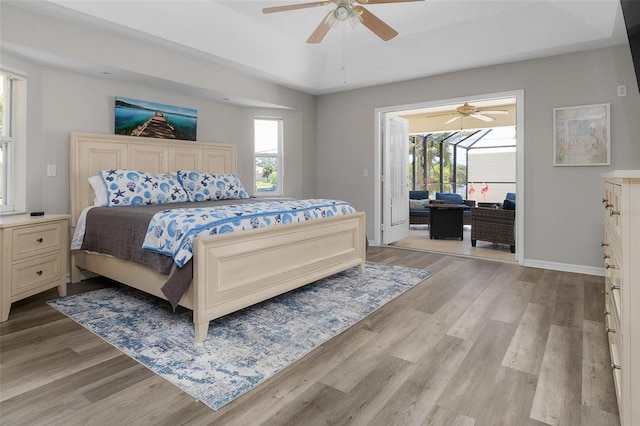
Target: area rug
[{"x": 244, "y": 348}]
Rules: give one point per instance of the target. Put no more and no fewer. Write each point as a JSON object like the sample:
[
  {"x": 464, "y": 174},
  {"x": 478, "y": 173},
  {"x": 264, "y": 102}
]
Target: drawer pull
[
  {"x": 611, "y": 330},
  {"x": 603, "y": 244},
  {"x": 604, "y": 200},
  {"x": 615, "y": 287},
  {"x": 616, "y": 366},
  {"x": 607, "y": 266},
  {"x": 607, "y": 205},
  {"x": 39, "y": 240},
  {"x": 39, "y": 273},
  {"x": 614, "y": 213},
  {"x": 606, "y": 256}
]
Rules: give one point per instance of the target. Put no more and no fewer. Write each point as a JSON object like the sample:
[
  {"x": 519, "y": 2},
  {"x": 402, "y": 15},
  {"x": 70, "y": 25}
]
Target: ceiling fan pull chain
[{"x": 344, "y": 66}]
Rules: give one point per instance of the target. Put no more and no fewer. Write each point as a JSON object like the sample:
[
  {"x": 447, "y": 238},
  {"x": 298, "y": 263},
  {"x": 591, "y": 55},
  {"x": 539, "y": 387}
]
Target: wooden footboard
[{"x": 237, "y": 270}]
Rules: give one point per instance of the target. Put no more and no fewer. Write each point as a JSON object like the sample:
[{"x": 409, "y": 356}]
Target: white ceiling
[{"x": 436, "y": 36}]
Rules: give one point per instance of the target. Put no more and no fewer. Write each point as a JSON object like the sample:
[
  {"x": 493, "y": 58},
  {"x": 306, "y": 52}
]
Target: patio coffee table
[{"x": 446, "y": 220}]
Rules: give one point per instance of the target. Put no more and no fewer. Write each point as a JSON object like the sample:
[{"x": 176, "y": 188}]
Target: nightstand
[{"x": 33, "y": 256}]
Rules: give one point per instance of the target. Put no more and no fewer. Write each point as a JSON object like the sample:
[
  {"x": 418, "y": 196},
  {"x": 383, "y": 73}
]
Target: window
[
  {"x": 492, "y": 165},
  {"x": 12, "y": 136},
  {"x": 268, "y": 156},
  {"x": 478, "y": 164}
]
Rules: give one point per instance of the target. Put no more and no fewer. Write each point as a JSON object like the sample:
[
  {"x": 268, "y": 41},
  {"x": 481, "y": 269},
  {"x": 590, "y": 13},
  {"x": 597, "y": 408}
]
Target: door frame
[{"x": 520, "y": 188}]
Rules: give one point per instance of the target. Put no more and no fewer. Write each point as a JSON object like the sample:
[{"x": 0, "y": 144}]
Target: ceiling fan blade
[
  {"x": 483, "y": 117},
  {"x": 384, "y": 1},
  {"x": 497, "y": 112},
  {"x": 441, "y": 114},
  {"x": 375, "y": 24},
  {"x": 320, "y": 31},
  {"x": 453, "y": 119},
  {"x": 294, "y": 6}
]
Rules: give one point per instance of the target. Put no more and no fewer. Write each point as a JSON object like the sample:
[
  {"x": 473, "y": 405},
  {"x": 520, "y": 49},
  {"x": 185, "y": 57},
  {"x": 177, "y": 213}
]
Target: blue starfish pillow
[
  {"x": 211, "y": 186},
  {"x": 135, "y": 188}
]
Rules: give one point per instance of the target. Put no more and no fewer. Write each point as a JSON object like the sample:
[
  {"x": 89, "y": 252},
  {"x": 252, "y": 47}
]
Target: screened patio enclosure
[{"x": 479, "y": 164}]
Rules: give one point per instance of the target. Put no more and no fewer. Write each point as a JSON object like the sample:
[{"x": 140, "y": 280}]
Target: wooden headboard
[{"x": 90, "y": 153}]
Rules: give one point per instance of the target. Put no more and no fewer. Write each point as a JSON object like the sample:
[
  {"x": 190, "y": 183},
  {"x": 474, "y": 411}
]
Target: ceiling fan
[
  {"x": 345, "y": 10},
  {"x": 467, "y": 110}
]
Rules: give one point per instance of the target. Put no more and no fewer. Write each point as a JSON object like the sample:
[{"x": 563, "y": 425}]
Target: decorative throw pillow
[
  {"x": 418, "y": 204},
  {"x": 99, "y": 191},
  {"x": 134, "y": 188},
  {"x": 509, "y": 205},
  {"x": 211, "y": 186}
]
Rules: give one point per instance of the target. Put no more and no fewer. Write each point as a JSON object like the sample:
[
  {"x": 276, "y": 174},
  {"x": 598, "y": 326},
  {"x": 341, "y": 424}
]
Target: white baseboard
[
  {"x": 564, "y": 267},
  {"x": 554, "y": 266}
]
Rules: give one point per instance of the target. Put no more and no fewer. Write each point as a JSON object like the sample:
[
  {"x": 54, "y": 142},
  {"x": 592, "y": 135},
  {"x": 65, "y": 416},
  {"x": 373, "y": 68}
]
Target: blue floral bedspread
[{"x": 171, "y": 232}]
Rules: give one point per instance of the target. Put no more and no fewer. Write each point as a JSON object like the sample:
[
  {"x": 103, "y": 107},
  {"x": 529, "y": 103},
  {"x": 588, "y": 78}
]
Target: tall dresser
[{"x": 622, "y": 287}]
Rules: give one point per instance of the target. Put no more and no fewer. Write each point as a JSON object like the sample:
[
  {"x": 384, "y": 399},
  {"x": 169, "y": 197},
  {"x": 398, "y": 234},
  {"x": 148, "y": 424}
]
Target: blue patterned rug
[{"x": 244, "y": 348}]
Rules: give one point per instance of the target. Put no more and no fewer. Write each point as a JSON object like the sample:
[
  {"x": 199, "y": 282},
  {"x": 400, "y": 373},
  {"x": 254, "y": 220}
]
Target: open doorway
[{"x": 450, "y": 144}]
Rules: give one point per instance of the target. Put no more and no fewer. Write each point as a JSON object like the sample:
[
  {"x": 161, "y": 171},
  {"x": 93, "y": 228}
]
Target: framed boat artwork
[{"x": 154, "y": 120}]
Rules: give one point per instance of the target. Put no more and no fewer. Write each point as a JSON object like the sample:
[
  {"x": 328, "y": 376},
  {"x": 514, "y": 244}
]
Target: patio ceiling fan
[
  {"x": 472, "y": 111},
  {"x": 345, "y": 10}
]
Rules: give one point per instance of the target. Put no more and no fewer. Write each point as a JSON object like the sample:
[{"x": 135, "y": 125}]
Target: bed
[{"x": 230, "y": 271}]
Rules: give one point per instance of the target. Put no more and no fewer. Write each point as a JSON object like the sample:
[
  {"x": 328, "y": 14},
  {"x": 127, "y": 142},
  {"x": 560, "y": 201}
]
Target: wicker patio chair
[{"x": 493, "y": 225}]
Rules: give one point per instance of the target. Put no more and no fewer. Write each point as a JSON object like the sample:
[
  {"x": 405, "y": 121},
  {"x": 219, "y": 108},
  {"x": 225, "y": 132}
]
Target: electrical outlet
[
  {"x": 51, "y": 170},
  {"x": 622, "y": 90}
]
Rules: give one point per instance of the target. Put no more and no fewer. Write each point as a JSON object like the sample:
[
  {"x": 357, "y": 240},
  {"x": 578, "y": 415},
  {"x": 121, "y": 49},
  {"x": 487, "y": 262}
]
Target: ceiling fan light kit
[
  {"x": 350, "y": 10},
  {"x": 342, "y": 13}
]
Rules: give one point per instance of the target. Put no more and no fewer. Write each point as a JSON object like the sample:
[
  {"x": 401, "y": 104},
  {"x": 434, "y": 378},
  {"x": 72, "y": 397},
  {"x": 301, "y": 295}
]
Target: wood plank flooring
[
  {"x": 419, "y": 239},
  {"x": 479, "y": 343}
]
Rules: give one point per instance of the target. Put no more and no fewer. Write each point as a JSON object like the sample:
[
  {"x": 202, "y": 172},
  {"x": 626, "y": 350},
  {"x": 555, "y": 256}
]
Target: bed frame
[{"x": 231, "y": 271}]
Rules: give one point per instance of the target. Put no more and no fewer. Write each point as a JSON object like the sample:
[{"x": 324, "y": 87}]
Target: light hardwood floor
[
  {"x": 419, "y": 239},
  {"x": 479, "y": 343}
]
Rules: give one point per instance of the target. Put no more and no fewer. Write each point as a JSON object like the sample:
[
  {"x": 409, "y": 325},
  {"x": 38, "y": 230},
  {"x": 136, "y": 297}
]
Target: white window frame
[
  {"x": 13, "y": 140},
  {"x": 277, "y": 156}
]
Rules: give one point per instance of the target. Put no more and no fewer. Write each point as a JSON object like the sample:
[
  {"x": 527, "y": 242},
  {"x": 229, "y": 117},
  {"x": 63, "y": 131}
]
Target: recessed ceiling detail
[{"x": 435, "y": 36}]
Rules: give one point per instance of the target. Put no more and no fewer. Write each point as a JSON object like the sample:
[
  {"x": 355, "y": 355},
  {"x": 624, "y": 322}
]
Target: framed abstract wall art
[
  {"x": 582, "y": 136},
  {"x": 154, "y": 120}
]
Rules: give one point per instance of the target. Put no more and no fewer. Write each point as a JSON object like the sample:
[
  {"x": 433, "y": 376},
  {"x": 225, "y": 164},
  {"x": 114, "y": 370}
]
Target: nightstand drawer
[
  {"x": 34, "y": 273},
  {"x": 38, "y": 239}
]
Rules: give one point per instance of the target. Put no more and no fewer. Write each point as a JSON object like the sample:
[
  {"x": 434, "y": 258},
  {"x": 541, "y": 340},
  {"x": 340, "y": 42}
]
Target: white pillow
[{"x": 99, "y": 190}]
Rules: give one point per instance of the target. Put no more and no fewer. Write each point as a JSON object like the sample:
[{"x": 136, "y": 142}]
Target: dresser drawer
[
  {"x": 37, "y": 239},
  {"x": 617, "y": 383},
  {"x": 616, "y": 368},
  {"x": 34, "y": 273},
  {"x": 614, "y": 322},
  {"x": 612, "y": 206}
]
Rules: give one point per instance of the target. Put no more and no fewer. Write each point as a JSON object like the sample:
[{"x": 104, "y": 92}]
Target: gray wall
[{"x": 563, "y": 221}]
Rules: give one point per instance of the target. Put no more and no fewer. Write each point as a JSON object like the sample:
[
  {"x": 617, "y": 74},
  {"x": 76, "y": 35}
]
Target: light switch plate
[{"x": 622, "y": 90}]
